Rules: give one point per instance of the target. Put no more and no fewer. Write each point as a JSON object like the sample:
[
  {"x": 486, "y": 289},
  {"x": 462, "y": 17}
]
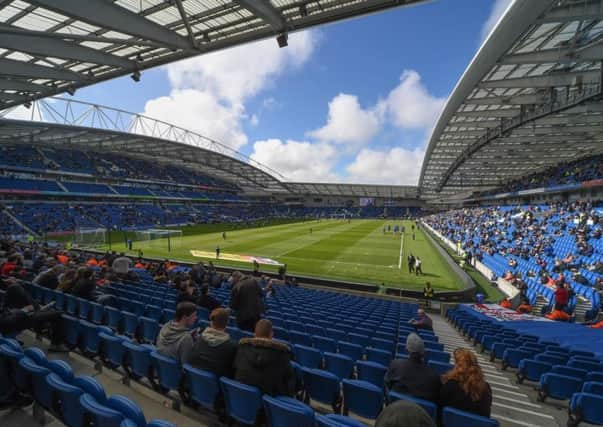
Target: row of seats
[{"x": 560, "y": 372}]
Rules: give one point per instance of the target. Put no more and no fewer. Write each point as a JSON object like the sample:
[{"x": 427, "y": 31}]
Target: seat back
[
  {"x": 203, "y": 386},
  {"x": 372, "y": 372},
  {"x": 242, "y": 401},
  {"x": 307, "y": 356},
  {"x": 440, "y": 367},
  {"x": 97, "y": 414},
  {"x": 127, "y": 408},
  {"x": 362, "y": 398},
  {"x": 285, "y": 412},
  {"x": 452, "y": 417},
  {"x": 430, "y": 407},
  {"x": 339, "y": 364},
  {"x": 322, "y": 386}
]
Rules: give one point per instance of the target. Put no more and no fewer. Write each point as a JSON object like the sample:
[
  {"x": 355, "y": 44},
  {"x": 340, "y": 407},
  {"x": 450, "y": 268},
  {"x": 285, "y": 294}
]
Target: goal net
[
  {"x": 159, "y": 238},
  {"x": 90, "y": 237}
]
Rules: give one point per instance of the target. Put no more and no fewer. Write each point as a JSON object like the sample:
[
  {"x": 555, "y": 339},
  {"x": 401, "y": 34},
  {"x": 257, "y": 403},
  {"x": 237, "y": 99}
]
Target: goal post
[
  {"x": 90, "y": 237},
  {"x": 158, "y": 238}
]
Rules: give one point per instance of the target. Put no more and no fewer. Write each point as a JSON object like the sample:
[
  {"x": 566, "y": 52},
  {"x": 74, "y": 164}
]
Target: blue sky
[{"x": 353, "y": 101}]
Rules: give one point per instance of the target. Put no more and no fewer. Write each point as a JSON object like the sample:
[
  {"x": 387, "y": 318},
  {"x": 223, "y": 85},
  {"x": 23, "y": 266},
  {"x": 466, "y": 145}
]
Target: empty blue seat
[
  {"x": 512, "y": 357},
  {"x": 307, "y": 356},
  {"x": 337, "y": 334},
  {"x": 130, "y": 323},
  {"x": 89, "y": 336},
  {"x": 558, "y": 386},
  {"x": 324, "y": 344},
  {"x": 382, "y": 344},
  {"x": 114, "y": 318},
  {"x": 452, "y": 417},
  {"x": 594, "y": 376},
  {"x": 334, "y": 420},
  {"x": 440, "y": 367},
  {"x": 378, "y": 356},
  {"x": 128, "y": 409},
  {"x": 553, "y": 359},
  {"x": 532, "y": 370},
  {"x": 97, "y": 313},
  {"x": 585, "y": 407},
  {"x": 111, "y": 349},
  {"x": 372, "y": 372},
  {"x": 361, "y": 340},
  {"x": 339, "y": 364},
  {"x": 432, "y": 345},
  {"x": 153, "y": 312},
  {"x": 31, "y": 380},
  {"x": 97, "y": 414},
  {"x": 169, "y": 371},
  {"x": 430, "y": 407},
  {"x": 593, "y": 387},
  {"x": 587, "y": 366},
  {"x": 353, "y": 351},
  {"x": 243, "y": 402},
  {"x": 437, "y": 356},
  {"x": 569, "y": 372},
  {"x": 362, "y": 398},
  {"x": 285, "y": 412},
  {"x": 322, "y": 386},
  {"x": 137, "y": 359},
  {"x": 203, "y": 386},
  {"x": 71, "y": 304},
  {"x": 83, "y": 308},
  {"x": 150, "y": 329},
  {"x": 71, "y": 327},
  {"x": 65, "y": 400}
]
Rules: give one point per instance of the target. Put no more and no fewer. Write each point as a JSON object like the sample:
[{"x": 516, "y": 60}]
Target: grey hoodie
[{"x": 175, "y": 341}]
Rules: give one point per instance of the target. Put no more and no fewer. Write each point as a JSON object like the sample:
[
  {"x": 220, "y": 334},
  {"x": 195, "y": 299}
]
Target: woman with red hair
[{"x": 464, "y": 386}]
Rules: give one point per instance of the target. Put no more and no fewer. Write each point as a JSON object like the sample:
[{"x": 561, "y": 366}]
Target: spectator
[
  {"x": 524, "y": 307},
  {"x": 404, "y": 414},
  {"x": 246, "y": 300},
  {"x": 187, "y": 294},
  {"x": 10, "y": 266},
  {"x": 505, "y": 303},
  {"x": 66, "y": 281},
  {"x": 558, "y": 315},
  {"x": 84, "y": 286},
  {"x": 264, "y": 363},
  {"x": 215, "y": 351},
  {"x": 121, "y": 265},
  {"x": 464, "y": 387},
  {"x": 412, "y": 376},
  {"x": 20, "y": 312},
  {"x": 49, "y": 278},
  {"x": 561, "y": 296},
  {"x": 175, "y": 340},
  {"x": 428, "y": 293},
  {"x": 423, "y": 321},
  {"x": 206, "y": 300}
]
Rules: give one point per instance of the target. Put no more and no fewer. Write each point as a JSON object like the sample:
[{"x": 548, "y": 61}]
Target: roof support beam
[
  {"x": 574, "y": 12},
  {"x": 44, "y": 46},
  {"x": 507, "y": 112},
  {"x": 106, "y": 14},
  {"x": 545, "y": 81},
  {"x": 593, "y": 52},
  {"x": 13, "y": 68},
  {"x": 509, "y": 100},
  {"x": 264, "y": 10},
  {"x": 21, "y": 86}
]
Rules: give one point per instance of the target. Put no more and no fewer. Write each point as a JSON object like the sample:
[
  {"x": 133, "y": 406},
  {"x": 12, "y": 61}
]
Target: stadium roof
[
  {"x": 355, "y": 190},
  {"x": 530, "y": 98},
  {"x": 49, "y": 47}
]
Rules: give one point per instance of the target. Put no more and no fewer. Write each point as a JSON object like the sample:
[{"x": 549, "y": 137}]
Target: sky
[{"x": 353, "y": 101}]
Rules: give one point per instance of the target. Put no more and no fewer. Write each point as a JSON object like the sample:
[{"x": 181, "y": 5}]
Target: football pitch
[{"x": 356, "y": 251}]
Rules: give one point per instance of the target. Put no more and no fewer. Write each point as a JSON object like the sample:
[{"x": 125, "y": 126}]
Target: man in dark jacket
[
  {"x": 206, "y": 300},
  {"x": 214, "y": 351},
  {"x": 264, "y": 363},
  {"x": 412, "y": 376},
  {"x": 246, "y": 300}
]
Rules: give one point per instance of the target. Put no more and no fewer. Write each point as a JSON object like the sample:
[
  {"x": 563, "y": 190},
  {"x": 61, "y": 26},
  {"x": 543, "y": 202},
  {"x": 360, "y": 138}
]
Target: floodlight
[
  {"x": 135, "y": 76},
  {"x": 281, "y": 39},
  {"x": 71, "y": 90}
]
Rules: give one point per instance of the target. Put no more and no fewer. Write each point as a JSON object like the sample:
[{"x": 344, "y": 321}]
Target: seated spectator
[
  {"x": 20, "y": 312},
  {"x": 214, "y": 350},
  {"x": 84, "y": 286},
  {"x": 464, "y": 387},
  {"x": 423, "y": 321},
  {"x": 49, "y": 278},
  {"x": 558, "y": 315},
  {"x": 206, "y": 300},
  {"x": 175, "y": 339},
  {"x": 265, "y": 363},
  {"x": 187, "y": 293},
  {"x": 66, "y": 281},
  {"x": 121, "y": 265},
  {"x": 505, "y": 303},
  {"x": 524, "y": 306},
  {"x": 11, "y": 266},
  {"x": 412, "y": 376},
  {"x": 598, "y": 325},
  {"x": 404, "y": 414},
  {"x": 561, "y": 296}
]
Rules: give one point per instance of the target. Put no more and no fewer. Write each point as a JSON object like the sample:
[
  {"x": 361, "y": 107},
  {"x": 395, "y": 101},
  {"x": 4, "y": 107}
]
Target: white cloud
[
  {"x": 200, "y": 111},
  {"x": 394, "y": 166},
  {"x": 410, "y": 105},
  {"x": 298, "y": 161},
  {"x": 240, "y": 72},
  {"x": 498, "y": 9},
  {"x": 348, "y": 122}
]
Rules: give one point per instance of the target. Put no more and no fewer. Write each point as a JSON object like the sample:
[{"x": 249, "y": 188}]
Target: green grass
[{"x": 358, "y": 251}]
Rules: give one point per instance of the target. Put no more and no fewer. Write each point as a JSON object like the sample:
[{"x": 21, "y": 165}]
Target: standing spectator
[
  {"x": 561, "y": 296},
  {"x": 206, "y": 300},
  {"x": 411, "y": 263},
  {"x": 464, "y": 387},
  {"x": 215, "y": 351},
  {"x": 174, "y": 339},
  {"x": 246, "y": 300},
  {"x": 265, "y": 363},
  {"x": 121, "y": 265},
  {"x": 412, "y": 376}
]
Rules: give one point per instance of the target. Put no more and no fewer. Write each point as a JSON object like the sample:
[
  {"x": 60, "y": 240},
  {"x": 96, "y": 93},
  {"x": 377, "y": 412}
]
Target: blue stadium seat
[
  {"x": 324, "y": 344},
  {"x": 137, "y": 360},
  {"x": 300, "y": 338},
  {"x": 71, "y": 327},
  {"x": 362, "y": 398},
  {"x": 71, "y": 305},
  {"x": 585, "y": 407},
  {"x": 587, "y": 366},
  {"x": 430, "y": 407},
  {"x": 569, "y": 372},
  {"x": 593, "y": 387},
  {"x": 169, "y": 371},
  {"x": 203, "y": 386},
  {"x": 150, "y": 329},
  {"x": 452, "y": 417},
  {"x": 89, "y": 336},
  {"x": 372, "y": 372},
  {"x": 440, "y": 367},
  {"x": 243, "y": 402},
  {"x": 339, "y": 364},
  {"x": 153, "y": 312},
  {"x": 307, "y": 356},
  {"x": 83, "y": 308},
  {"x": 512, "y": 356},
  {"x": 130, "y": 410},
  {"x": 334, "y": 420},
  {"x": 437, "y": 356},
  {"x": 361, "y": 340},
  {"x": 285, "y": 412},
  {"x": 322, "y": 386},
  {"x": 558, "y": 386},
  {"x": 97, "y": 313},
  {"x": 378, "y": 356},
  {"x": 97, "y": 414},
  {"x": 352, "y": 350},
  {"x": 111, "y": 349},
  {"x": 65, "y": 400},
  {"x": 130, "y": 323},
  {"x": 532, "y": 370},
  {"x": 114, "y": 318}
]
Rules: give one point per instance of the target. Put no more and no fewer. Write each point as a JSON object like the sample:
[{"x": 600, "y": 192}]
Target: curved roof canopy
[
  {"x": 55, "y": 46},
  {"x": 353, "y": 190},
  {"x": 530, "y": 99}
]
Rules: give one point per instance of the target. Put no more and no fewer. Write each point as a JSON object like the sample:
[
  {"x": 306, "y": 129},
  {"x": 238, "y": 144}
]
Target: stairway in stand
[{"x": 512, "y": 405}]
